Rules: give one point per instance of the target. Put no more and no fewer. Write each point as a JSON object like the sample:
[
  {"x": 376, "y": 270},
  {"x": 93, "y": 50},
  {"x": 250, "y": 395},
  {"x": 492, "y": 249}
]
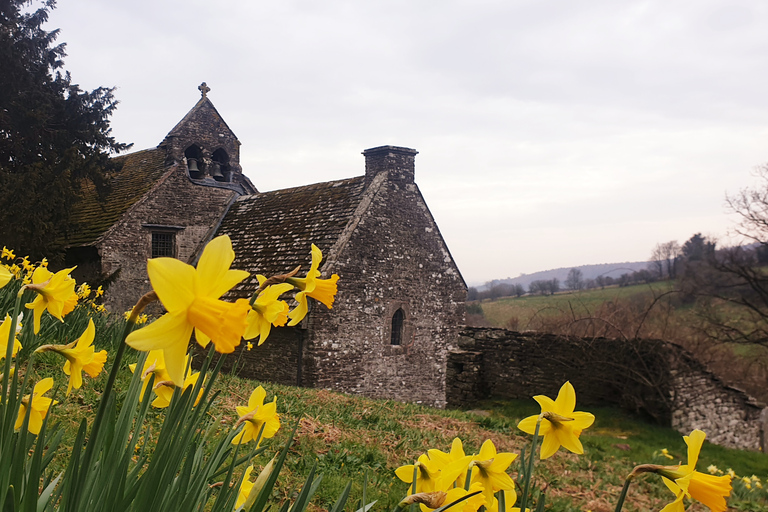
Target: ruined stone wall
[
  {"x": 728, "y": 416},
  {"x": 649, "y": 377},
  {"x": 175, "y": 201},
  {"x": 394, "y": 259}
]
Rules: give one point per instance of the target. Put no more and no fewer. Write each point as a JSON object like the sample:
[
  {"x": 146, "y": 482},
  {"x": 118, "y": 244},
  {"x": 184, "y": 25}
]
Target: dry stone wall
[{"x": 655, "y": 379}]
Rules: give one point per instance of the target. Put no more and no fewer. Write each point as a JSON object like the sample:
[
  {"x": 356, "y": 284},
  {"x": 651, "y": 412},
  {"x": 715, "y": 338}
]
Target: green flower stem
[
  {"x": 11, "y": 338},
  {"x": 103, "y": 402},
  {"x": 412, "y": 508},
  {"x": 623, "y": 494},
  {"x": 529, "y": 472},
  {"x": 468, "y": 479}
]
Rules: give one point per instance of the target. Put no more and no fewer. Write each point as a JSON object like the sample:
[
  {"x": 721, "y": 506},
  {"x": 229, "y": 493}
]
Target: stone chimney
[{"x": 399, "y": 162}]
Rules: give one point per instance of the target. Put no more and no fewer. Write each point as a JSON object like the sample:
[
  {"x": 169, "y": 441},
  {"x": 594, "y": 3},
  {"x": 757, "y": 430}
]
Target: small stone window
[
  {"x": 163, "y": 244},
  {"x": 397, "y": 327}
]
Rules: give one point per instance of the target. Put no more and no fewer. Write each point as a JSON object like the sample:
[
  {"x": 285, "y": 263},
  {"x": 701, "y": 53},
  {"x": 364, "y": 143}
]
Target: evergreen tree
[{"x": 54, "y": 137}]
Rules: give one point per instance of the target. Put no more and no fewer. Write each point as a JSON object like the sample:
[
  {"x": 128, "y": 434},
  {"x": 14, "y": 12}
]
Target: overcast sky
[{"x": 550, "y": 133}]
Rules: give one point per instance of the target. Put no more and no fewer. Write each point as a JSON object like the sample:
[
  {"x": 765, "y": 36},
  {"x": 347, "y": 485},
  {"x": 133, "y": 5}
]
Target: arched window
[
  {"x": 194, "y": 161},
  {"x": 397, "y": 327},
  {"x": 220, "y": 171}
]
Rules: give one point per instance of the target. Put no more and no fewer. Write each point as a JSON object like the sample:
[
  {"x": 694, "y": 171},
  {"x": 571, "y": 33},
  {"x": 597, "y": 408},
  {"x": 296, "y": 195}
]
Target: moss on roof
[
  {"x": 92, "y": 216},
  {"x": 272, "y": 232}
]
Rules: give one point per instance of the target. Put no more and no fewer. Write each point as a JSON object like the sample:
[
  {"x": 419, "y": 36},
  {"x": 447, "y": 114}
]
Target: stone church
[{"x": 401, "y": 296}]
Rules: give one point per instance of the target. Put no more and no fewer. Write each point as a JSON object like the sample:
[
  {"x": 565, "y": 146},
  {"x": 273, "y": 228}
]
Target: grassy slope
[{"x": 348, "y": 435}]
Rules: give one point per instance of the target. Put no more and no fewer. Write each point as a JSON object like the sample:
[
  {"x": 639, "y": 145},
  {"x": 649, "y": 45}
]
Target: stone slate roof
[
  {"x": 272, "y": 232},
  {"x": 139, "y": 173}
]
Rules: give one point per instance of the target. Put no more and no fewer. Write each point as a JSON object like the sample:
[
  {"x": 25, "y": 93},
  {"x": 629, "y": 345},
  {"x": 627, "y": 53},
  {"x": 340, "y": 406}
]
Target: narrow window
[
  {"x": 397, "y": 327},
  {"x": 163, "y": 244}
]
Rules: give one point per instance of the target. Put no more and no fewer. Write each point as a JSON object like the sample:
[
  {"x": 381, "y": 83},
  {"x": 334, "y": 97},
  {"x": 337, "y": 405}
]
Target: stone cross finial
[{"x": 203, "y": 88}]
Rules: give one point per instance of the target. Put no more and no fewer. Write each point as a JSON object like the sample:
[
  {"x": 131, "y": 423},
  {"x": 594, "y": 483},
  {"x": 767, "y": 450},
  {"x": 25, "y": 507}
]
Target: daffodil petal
[
  {"x": 582, "y": 420},
  {"x": 546, "y": 403},
  {"x": 694, "y": 442},
  {"x": 257, "y": 398},
  {"x": 568, "y": 440},
  {"x": 549, "y": 446},
  {"x": 528, "y": 425},
  {"x": 167, "y": 330},
  {"x": 173, "y": 281},
  {"x": 566, "y": 400},
  {"x": 214, "y": 263},
  {"x": 405, "y": 473},
  {"x": 176, "y": 361}
]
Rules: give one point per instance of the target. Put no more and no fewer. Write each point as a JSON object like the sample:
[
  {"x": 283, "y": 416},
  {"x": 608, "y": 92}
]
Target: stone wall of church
[
  {"x": 175, "y": 205},
  {"x": 649, "y": 377},
  {"x": 275, "y": 360},
  {"x": 394, "y": 259}
]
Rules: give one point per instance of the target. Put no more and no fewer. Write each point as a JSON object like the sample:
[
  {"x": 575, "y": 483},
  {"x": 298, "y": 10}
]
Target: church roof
[
  {"x": 92, "y": 217},
  {"x": 272, "y": 232}
]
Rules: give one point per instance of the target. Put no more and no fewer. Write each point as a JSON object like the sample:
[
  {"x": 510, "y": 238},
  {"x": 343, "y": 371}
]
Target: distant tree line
[{"x": 669, "y": 260}]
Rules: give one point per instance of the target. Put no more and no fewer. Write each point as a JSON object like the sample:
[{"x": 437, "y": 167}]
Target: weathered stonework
[
  {"x": 375, "y": 231},
  {"x": 379, "y": 237},
  {"x": 191, "y": 212},
  {"x": 650, "y": 377},
  {"x": 155, "y": 191}
]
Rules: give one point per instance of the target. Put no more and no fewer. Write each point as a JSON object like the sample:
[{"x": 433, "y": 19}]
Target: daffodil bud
[{"x": 430, "y": 499}]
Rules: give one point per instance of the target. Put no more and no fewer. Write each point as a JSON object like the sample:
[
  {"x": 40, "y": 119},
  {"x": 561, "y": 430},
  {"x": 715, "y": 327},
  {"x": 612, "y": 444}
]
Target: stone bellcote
[
  {"x": 397, "y": 161},
  {"x": 203, "y": 144}
]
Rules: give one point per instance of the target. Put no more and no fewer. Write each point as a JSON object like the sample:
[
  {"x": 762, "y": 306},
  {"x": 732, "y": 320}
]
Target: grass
[{"x": 348, "y": 437}]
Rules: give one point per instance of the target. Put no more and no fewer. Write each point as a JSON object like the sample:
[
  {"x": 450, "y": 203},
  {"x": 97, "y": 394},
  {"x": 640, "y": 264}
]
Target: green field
[
  {"x": 348, "y": 437},
  {"x": 527, "y": 309}
]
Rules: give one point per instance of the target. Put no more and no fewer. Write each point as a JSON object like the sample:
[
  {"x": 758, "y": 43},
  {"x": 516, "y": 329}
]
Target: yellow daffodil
[
  {"x": 38, "y": 405},
  {"x": 191, "y": 297},
  {"x": 26, "y": 265},
  {"x": 712, "y": 469},
  {"x": 323, "y": 290},
  {"x": 5, "y": 336},
  {"x": 44, "y": 263},
  {"x": 489, "y": 469},
  {"x": 83, "y": 291},
  {"x": 154, "y": 364},
  {"x": 256, "y": 414},
  {"x": 54, "y": 293},
  {"x": 5, "y": 276},
  {"x": 164, "y": 391},
  {"x": 666, "y": 454},
  {"x": 427, "y": 474},
  {"x": 684, "y": 481},
  {"x": 444, "y": 460},
  {"x": 99, "y": 291},
  {"x": 560, "y": 426},
  {"x": 267, "y": 310},
  {"x": 245, "y": 487},
  {"x": 7, "y": 254},
  {"x": 81, "y": 357},
  {"x": 248, "y": 491}
]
